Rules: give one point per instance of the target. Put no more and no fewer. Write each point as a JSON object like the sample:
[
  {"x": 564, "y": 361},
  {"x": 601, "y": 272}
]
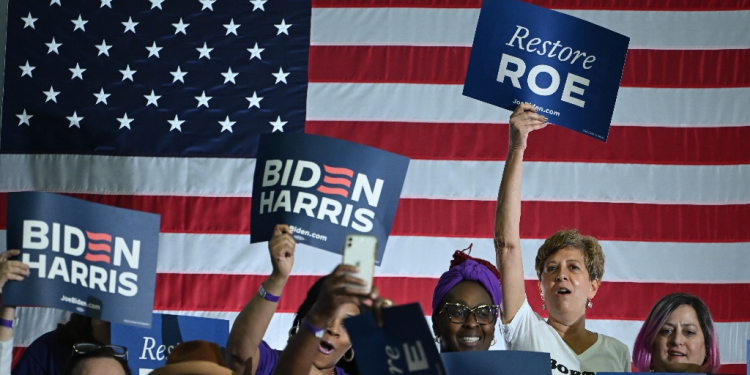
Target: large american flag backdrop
[{"x": 110, "y": 115}]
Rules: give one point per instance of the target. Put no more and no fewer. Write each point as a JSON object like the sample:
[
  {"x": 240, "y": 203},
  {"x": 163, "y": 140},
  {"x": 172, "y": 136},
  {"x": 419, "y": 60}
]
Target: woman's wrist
[
  {"x": 516, "y": 149},
  {"x": 8, "y": 312},
  {"x": 274, "y": 284},
  {"x": 268, "y": 296}
]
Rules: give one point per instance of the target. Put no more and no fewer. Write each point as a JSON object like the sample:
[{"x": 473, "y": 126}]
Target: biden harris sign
[
  {"x": 325, "y": 189},
  {"x": 88, "y": 258},
  {"x": 568, "y": 68}
]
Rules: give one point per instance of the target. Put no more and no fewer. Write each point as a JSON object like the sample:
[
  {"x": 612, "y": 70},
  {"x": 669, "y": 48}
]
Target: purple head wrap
[{"x": 468, "y": 270}]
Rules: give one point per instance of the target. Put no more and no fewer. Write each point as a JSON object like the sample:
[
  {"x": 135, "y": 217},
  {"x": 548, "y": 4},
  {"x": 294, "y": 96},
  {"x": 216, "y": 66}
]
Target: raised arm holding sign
[
  {"x": 324, "y": 308},
  {"x": 569, "y": 267},
  {"x": 246, "y": 336}
]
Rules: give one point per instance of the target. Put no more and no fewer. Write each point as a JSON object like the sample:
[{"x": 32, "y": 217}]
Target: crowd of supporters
[{"x": 475, "y": 306}]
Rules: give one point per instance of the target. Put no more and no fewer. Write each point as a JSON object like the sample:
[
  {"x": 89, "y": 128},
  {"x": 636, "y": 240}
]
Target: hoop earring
[
  {"x": 437, "y": 339},
  {"x": 494, "y": 341},
  {"x": 589, "y": 304},
  {"x": 347, "y": 357}
]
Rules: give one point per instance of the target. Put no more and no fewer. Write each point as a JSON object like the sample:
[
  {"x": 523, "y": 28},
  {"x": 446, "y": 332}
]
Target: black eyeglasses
[
  {"x": 459, "y": 313},
  {"x": 114, "y": 350}
]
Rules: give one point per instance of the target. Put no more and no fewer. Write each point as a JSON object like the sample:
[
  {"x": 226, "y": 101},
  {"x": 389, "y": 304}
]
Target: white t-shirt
[
  {"x": 6, "y": 356},
  {"x": 530, "y": 332}
]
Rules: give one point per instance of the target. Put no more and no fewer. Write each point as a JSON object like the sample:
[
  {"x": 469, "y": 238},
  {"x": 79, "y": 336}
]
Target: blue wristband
[
  {"x": 267, "y": 296},
  {"x": 6, "y": 323}
]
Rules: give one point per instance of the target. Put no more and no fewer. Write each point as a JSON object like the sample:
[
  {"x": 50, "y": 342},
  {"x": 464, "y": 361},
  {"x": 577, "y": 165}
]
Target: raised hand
[
  {"x": 281, "y": 247},
  {"x": 12, "y": 269},
  {"x": 523, "y": 121},
  {"x": 339, "y": 288}
]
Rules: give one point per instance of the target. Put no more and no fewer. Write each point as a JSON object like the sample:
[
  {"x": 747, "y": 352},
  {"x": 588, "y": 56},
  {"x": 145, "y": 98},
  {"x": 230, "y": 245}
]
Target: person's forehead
[
  {"x": 566, "y": 254},
  {"x": 468, "y": 292},
  {"x": 684, "y": 314},
  {"x": 98, "y": 366},
  {"x": 350, "y": 309}
]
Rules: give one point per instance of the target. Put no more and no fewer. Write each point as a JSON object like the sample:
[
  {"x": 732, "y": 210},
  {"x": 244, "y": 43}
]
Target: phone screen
[{"x": 360, "y": 251}]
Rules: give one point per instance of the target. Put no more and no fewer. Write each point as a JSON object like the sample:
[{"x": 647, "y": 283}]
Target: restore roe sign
[{"x": 568, "y": 68}]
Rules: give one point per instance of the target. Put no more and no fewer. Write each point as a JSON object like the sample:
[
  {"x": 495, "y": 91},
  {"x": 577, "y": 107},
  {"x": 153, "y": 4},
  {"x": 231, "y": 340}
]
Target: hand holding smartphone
[{"x": 360, "y": 251}]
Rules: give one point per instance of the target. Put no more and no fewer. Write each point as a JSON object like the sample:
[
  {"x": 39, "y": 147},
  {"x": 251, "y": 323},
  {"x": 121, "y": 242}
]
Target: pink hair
[{"x": 659, "y": 314}]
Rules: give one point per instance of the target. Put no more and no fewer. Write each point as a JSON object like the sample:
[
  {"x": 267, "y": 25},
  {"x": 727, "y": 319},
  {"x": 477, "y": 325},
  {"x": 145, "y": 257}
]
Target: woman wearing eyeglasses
[
  {"x": 569, "y": 267},
  {"x": 465, "y": 305}
]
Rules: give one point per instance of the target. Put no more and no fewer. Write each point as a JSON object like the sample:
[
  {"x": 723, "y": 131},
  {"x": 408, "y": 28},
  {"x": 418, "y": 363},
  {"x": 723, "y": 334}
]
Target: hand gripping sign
[
  {"x": 88, "y": 258},
  {"x": 404, "y": 345},
  {"x": 568, "y": 68},
  {"x": 324, "y": 188}
]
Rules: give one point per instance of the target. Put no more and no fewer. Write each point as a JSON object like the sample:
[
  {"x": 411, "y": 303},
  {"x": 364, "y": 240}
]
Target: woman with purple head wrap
[{"x": 470, "y": 287}]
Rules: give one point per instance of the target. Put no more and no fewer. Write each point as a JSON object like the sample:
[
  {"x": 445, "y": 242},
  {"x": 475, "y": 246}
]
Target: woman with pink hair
[{"x": 677, "y": 336}]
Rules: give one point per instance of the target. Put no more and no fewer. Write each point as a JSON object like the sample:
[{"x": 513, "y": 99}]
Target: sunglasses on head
[{"x": 113, "y": 350}]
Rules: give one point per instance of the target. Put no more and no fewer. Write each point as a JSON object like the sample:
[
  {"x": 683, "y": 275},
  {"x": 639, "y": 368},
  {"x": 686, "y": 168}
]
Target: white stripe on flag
[
  {"x": 456, "y": 26},
  {"x": 431, "y": 179},
  {"x": 445, "y": 103}
]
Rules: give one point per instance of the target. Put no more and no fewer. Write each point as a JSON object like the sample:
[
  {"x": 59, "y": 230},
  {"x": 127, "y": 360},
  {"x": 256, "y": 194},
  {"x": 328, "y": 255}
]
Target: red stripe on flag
[
  {"x": 733, "y": 368},
  {"x": 179, "y": 214},
  {"x": 17, "y": 352},
  {"x": 687, "y": 68},
  {"x": 455, "y": 141},
  {"x": 665, "y": 5},
  {"x": 188, "y": 292},
  {"x": 605, "y": 221},
  {"x": 447, "y": 218},
  {"x": 405, "y": 64},
  {"x": 392, "y": 64}
]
